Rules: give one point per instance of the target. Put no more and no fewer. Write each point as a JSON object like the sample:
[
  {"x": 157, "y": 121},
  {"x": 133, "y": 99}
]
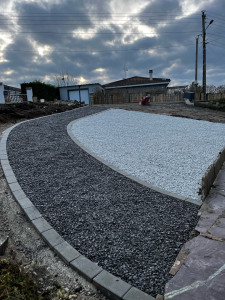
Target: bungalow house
[
  {"x": 121, "y": 91},
  {"x": 133, "y": 88}
]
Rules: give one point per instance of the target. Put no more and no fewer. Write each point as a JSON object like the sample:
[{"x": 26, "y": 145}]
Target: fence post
[
  {"x": 29, "y": 93},
  {"x": 2, "y": 97}
]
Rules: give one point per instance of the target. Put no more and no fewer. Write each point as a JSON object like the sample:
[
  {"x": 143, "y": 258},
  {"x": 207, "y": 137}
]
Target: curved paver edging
[
  {"x": 162, "y": 191},
  {"x": 112, "y": 286}
]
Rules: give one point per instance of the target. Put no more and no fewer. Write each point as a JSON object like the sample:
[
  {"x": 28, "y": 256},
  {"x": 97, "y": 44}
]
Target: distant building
[
  {"x": 9, "y": 94},
  {"x": 133, "y": 88},
  {"x": 83, "y": 92},
  {"x": 121, "y": 91},
  {"x": 11, "y": 90}
]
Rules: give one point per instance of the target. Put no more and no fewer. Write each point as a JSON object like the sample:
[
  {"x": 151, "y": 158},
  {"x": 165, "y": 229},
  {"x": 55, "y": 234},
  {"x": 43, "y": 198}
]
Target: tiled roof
[{"x": 136, "y": 80}]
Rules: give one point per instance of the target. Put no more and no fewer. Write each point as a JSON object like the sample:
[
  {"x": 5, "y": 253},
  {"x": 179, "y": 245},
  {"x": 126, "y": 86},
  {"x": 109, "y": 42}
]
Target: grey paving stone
[
  {"x": 135, "y": 294},
  {"x": 32, "y": 212},
  {"x": 218, "y": 229},
  {"x": 86, "y": 267},
  {"x": 41, "y": 224},
  {"x": 25, "y": 203},
  {"x": 67, "y": 252},
  {"x": 19, "y": 194},
  {"x": 203, "y": 275},
  {"x": 211, "y": 209},
  {"x": 5, "y": 162},
  {"x": 11, "y": 179},
  {"x": 112, "y": 286},
  {"x": 52, "y": 237},
  {"x": 13, "y": 186},
  {"x": 4, "y": 138},
  {"x": 9, "y": 173},
  {"x": 7, "y": 131},
  {"x": 3, "y": 156},
  {"x": 6, "y": 167},
  {"x": 3, "y": 151},
  {"x": 2, "y": 147}
]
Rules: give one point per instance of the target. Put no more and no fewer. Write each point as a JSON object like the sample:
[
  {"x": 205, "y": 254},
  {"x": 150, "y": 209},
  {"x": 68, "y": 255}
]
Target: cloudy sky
[{"x": 103, "y": 41}]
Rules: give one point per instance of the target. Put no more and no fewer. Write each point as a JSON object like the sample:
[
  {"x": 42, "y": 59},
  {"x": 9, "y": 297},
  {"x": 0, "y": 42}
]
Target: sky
[{"x": 99, "y": 41}]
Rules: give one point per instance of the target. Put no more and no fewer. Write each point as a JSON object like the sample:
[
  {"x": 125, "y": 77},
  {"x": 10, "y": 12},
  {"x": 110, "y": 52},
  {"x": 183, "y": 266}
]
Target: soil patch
[
  {"x": 175, "y": 109},
  {"x": 20, "y": 111}
]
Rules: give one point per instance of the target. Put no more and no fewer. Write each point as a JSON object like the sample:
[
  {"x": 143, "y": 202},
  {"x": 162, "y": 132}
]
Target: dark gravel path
[{"x": 130, "y": 230}]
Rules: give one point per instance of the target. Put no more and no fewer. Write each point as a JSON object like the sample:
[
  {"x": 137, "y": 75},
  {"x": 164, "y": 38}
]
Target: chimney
[{"x": 150, "y": 74}]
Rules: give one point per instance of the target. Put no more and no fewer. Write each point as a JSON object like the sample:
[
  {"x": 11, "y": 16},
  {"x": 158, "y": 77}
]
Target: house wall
[{"x": 64, "y": 91}]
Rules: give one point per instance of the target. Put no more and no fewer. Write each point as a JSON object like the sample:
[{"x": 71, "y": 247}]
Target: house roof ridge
[{"x": 135, "y": 80}]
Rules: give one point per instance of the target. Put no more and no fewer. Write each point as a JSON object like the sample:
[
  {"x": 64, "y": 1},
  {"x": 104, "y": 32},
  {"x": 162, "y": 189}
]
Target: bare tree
[
  {"x": 193, "y": 87},
  {"x": 220, "y": 89},
  {"x": 211, "y": 89},
  {"x": 64, "y": 79}
]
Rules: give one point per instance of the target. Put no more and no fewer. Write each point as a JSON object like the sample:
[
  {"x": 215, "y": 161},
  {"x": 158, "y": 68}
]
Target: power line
[
  {"x": 91, "y": 24},
  {"x": 104, "y": 33},
  {"x": 88, "y": 16},
  {"x": 101, "y": 13},
  {"x": 217, "y": 45},
  {"x": 96, "y": 51}
]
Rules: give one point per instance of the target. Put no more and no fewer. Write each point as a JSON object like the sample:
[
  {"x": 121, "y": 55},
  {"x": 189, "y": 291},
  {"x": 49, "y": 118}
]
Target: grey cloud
[{"x": 73, "y": 54}]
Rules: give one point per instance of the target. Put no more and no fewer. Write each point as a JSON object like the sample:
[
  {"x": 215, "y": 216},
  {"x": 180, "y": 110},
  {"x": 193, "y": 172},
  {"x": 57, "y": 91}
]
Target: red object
[{"x": 145, "y": 101}]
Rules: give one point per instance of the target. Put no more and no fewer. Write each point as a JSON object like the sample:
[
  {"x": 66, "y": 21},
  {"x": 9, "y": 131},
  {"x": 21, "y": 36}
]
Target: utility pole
[
  {"x": 79, "y": 95},
  {"x": 196, "y": 62},
  {"x": 204, "y": 52},
  {"x": 204, "y": 56}
]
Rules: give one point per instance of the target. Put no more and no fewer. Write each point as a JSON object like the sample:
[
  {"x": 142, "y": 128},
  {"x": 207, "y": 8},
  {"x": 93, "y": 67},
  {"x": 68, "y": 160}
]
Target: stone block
[
  {"x": 4, "y": 162},
  {"x": 41, "y": 224},
  {"x": 32, "y": 213},
  {"x": 13, "y": 186},
  {"x": 2, "y": 147},
  {"x": 114, "y": 287},
  {"x": 52, "y": 237},
  {"x": 25, "y": 203},
  {"x": 67, "y": 252},
  {"x": 19, "y": 194},
  {"x": 217, "y": 165},
  {"x": 11, "y": 179},
  {"x": 207, "y": 181},
  {"x": 86, "y": 267},
  {"x": 6, "y": 167},
  {"x": 3, "y": 151},
  {"x": 3, "y": 156},
  {"x": 134, "y": 294}
]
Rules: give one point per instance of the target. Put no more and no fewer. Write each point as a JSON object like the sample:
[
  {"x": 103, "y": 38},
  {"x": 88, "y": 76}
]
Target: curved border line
[
  {"x": 112, "y": 286},
  {"x": 157, "y": 189}
]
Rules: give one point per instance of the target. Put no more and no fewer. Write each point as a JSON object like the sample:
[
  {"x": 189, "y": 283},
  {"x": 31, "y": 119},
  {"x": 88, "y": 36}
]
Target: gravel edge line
[
  {"x": 162, "y": 191},
  {"x": 112, "y": 286}
]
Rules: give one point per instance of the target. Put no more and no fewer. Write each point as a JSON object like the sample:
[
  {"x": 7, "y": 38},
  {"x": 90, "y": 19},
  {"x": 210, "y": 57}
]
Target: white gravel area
[{"x": 170, "y": 153}]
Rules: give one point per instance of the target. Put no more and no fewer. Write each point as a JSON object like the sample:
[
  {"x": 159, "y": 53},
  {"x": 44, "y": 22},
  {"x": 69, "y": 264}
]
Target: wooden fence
[
  {"x": 132, "y": 98},
  {"x": 209, "y": 96}
]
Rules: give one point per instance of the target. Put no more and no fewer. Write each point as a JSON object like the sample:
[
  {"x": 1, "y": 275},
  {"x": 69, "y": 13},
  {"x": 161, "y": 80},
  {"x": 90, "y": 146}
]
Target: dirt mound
[{"x": 16, "y": 111}]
